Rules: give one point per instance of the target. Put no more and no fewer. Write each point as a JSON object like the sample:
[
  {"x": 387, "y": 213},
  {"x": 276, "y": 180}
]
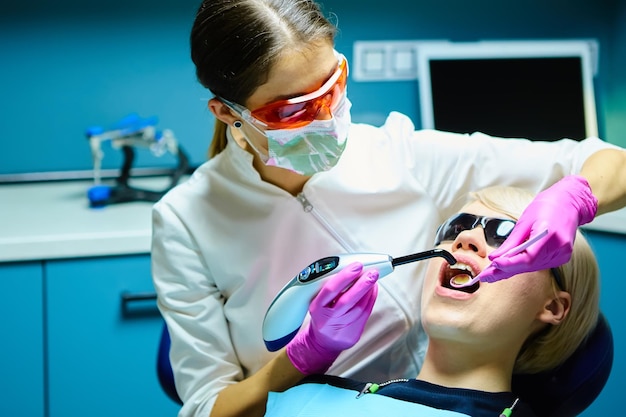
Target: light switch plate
[{"x": 386, "y": 60}]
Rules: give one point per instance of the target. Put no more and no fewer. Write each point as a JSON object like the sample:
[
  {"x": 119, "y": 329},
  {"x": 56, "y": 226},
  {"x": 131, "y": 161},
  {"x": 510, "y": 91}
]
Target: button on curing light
[
  {"x": 318, "y": 269},
  {"x": 287, "y": 311}
]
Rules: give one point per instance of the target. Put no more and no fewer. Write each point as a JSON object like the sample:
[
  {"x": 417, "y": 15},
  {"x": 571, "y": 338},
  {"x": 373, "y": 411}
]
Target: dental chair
[
  {"x": 164, "y": 368},
  {"x": 562, "y": 392},
  {"x": 570, "y": 388}
]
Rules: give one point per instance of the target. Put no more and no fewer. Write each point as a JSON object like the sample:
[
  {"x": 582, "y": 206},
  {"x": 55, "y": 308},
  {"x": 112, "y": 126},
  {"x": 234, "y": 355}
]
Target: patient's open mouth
[{"x": 460, "y": 274}]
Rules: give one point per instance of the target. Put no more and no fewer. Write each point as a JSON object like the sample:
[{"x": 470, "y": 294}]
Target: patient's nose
[{"x": 471, "y": 240}]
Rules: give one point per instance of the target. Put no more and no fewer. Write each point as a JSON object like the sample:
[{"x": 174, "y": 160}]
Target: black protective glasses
[{"x": 496, "y": 231}]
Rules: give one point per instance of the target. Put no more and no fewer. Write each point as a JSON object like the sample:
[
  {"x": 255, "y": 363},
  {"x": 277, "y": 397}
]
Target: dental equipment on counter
[
  {"x": 129, "y": 133},
  {"x": 287, "y": 311}
]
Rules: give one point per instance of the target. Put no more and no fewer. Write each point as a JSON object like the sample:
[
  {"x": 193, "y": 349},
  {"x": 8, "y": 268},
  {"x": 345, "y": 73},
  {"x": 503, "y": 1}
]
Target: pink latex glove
[
  {"x": 338, "y": 317},
  {"x": 560, "y": 209}
]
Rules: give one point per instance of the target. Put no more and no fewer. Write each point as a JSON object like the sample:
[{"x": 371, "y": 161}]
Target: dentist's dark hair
[{"x": 235, "y": 43}]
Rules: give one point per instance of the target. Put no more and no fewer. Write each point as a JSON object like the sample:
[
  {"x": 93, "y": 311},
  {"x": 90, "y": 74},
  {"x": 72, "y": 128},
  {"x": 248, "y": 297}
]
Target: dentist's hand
[
  {"x": 338, "y": 317},
  {"x": 560, "y": 209}
]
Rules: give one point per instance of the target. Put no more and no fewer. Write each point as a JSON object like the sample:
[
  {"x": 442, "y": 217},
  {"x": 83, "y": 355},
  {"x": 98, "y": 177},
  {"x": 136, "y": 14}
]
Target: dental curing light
[{"x": 287, "y": 311}]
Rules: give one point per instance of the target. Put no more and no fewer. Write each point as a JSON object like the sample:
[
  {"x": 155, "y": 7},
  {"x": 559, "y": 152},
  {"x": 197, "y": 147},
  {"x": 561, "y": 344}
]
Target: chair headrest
[{"x": 570, "y": 388}]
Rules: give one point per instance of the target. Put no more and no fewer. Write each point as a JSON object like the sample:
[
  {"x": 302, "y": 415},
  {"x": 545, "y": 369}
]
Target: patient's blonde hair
[{"x": 550, "y": 347}]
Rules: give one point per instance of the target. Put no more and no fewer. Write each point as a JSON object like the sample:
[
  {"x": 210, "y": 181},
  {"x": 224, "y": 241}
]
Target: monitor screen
[{"x": 540, "y": 90}]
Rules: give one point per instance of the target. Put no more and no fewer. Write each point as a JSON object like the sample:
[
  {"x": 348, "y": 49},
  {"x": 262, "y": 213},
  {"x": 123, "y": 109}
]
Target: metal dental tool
[
  {"x": 464, "y": 282},
  {"x": 287, "y": 311}
]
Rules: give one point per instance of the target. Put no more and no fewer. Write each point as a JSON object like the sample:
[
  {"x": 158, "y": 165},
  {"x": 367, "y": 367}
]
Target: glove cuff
[
  {"x": 588, "y": 203},
  {"x": 307, "y": 357}
]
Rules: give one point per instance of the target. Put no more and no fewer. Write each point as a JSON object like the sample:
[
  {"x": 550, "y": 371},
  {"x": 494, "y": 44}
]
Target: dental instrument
[
  {"x": 461, "y": 280},
  {"x": 286, "y": 313},
  {"x": 129, "y": 133}
]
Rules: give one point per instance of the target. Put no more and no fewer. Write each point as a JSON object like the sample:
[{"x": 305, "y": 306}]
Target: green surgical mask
[{"x": 309, "y": 149}]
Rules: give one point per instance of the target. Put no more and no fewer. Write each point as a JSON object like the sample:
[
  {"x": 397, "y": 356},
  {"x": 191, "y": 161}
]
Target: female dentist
[{"x": 291, "y": 180}]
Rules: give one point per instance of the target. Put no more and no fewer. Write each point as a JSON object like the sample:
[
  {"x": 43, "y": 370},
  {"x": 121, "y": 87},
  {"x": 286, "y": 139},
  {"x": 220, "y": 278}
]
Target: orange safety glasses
[{"x": 300, "y": 111}]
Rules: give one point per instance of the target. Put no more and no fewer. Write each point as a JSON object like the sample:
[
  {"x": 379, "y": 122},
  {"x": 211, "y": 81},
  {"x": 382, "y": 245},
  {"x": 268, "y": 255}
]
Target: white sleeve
[
  {"x": 202, "y": 355},
  {"x": 449, "y": 165}
]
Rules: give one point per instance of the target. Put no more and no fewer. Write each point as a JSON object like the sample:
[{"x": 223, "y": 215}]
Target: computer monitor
[{"x": 540, "y": 90}]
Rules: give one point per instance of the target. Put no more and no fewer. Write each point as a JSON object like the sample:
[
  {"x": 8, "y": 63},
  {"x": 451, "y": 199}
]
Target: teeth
[
  {"x": 462, "y": 274},
  {"x": 462, "y": 267}
]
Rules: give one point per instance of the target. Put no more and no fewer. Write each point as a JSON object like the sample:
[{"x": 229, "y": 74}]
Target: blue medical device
[
  {"x": 129, "y": 133},
  {"x": 287, "y": 311}
]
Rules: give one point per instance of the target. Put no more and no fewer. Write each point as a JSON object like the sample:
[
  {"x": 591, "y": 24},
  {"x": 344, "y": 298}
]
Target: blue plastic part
[
  {"x": 274, "y": 345},
  {"x": 137, "y": 125},
  {"x": 94, "y": 130},
  {"x": 127, "y": 121},
  {"x": 129, "y": 125},
  {"x": 98, "y": 195}
]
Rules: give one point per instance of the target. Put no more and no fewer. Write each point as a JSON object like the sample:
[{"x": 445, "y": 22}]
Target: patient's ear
[{"x": 557, "y": 308}]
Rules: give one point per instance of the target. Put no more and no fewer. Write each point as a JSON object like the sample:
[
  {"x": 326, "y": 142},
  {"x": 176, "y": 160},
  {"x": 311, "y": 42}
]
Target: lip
[{"x": 451, "y": 293}]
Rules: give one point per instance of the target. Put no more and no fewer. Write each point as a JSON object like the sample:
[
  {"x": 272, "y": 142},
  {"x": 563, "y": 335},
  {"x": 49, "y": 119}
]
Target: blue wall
[
  {"x": 76, "y": 64},
  {"x": 460, "y": 20},
  {"x": 70, "y": 64}
]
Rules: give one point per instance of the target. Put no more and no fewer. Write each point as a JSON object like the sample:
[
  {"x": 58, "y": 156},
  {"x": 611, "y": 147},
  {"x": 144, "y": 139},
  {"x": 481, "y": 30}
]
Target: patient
[{"x": 479, "y": 336}]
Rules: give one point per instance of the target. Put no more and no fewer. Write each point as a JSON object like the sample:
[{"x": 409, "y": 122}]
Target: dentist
[{"x": 290, "y": 180}]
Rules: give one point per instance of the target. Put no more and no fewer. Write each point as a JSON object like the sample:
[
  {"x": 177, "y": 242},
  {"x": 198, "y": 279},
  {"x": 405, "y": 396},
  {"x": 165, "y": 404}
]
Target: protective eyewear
[
  {"x": 496, "y": 231},
  {"x": 300, "y": 111}
]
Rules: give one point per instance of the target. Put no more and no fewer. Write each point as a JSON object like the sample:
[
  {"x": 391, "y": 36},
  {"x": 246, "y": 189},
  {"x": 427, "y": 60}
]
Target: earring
[{"x": 237, "y": 124}]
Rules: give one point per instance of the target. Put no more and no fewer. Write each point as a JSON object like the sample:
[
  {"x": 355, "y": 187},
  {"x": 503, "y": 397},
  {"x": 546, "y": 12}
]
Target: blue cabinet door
[
  {"x": 610, "y": 249},
  {"x": 102, "y": 352},
  {"x": 22, "y": 340}
]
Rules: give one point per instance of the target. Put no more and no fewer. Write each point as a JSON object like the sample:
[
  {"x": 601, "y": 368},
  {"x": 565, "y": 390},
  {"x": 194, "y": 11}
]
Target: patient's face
[{"x": 502, "y": 314}]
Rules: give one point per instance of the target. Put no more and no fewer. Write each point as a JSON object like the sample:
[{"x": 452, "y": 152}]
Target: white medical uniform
[{"x": 225, "y": 242}]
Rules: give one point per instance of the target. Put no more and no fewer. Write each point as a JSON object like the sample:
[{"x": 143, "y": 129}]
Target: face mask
[
  {"x": 312, "y": 148},
  {"x": 306, "y": 150}
]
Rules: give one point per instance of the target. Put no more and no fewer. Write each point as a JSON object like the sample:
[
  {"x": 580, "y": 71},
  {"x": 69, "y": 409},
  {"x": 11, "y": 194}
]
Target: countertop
[{"x": 53, "y": 220}]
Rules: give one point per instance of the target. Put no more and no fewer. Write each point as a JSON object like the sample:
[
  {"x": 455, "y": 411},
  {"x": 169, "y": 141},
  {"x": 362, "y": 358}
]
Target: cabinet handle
[{"x": 139, "y": 304}]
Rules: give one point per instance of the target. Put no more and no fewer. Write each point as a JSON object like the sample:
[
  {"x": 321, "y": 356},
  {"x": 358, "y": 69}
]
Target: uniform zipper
[
  {"x": 371, "y": 387},
  {"x": 308, "y": 208},
  {"x": 306, "y": 204}
]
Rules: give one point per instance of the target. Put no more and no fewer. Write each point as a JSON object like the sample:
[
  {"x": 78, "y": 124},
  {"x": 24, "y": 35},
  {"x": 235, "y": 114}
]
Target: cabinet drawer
[
  {"x": 22, "y": 346},
  {"x": 102, "y": 345}
]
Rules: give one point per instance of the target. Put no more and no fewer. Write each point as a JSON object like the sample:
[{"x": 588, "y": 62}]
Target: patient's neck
[{"x": 462, "y": 367}]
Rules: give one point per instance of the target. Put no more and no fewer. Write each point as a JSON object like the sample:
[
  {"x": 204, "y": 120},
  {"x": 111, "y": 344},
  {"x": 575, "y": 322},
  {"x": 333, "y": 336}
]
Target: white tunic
[{"x": 225, "y": 242}]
